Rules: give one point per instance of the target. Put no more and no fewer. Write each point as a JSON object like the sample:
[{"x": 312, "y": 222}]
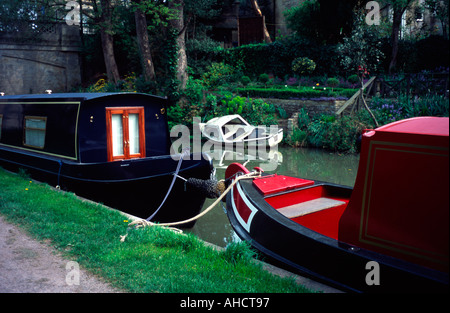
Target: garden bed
[{"x": 286, "y": 92}]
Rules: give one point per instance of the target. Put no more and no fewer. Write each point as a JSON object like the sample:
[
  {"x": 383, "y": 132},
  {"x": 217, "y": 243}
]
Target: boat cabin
[
  {"x": 400, "y": 202},
  {"x": 85, "y": 127}
]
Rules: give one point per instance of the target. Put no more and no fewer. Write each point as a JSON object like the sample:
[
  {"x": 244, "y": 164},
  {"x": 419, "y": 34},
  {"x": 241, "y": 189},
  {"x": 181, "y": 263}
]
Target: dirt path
[{"x": 28, "y": 266}]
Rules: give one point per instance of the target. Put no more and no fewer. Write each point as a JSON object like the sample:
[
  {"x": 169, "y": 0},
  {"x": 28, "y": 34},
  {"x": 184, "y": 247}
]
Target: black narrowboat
[{"x": 112, "y": 148}]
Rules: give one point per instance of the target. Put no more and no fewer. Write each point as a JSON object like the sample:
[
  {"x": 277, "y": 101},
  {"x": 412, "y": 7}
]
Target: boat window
[
  {"x": 133, "y": 131},
  {"x": 117, "y": 134},
  {"x": 236, "y": 121},
  {"x": 34, "y": 131},
  {"x": 125, "y": 133}
]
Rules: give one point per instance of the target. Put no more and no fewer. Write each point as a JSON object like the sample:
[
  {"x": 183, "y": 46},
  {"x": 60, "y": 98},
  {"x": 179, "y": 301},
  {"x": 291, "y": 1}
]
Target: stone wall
[
  {"x": 313, "y": 107},
  {"x": 47, "y": 60}
]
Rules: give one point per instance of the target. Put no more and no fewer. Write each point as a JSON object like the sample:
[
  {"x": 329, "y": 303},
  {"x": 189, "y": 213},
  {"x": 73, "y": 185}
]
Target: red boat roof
[{"x": 436, "y": 126}]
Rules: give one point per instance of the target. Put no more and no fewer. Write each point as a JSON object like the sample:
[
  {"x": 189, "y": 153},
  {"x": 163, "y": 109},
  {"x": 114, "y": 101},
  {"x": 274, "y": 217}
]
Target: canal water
[{"x": 315, "y": 164}]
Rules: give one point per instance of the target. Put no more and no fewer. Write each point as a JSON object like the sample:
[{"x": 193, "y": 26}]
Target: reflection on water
[{"x": 313, "y": 164}]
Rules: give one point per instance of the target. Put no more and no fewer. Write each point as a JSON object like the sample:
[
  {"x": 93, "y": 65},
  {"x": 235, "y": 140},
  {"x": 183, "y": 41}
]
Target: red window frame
[{"x": 125, "y": 112}]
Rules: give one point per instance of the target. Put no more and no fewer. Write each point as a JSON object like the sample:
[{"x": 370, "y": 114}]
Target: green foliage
[
  {"x": 245, "y": 80},
  {"x": 362, "y": 48},
  {"x": 321, "y": 22},
  {"x": 353, "y": 78},
  {"x": 288, "y": 93},
  {"x": 332, "y": 82},
  {"x": 430, "y": 105},
  {"x": 340, "y": 134},
  {"x": 255, "y": 111},
  {"x": 305, "y": 20},
  {"x": 303, "y": 119},
  {"x": 202, "y": 52},
  {"x": 298, "y": 138},
  {"x": 158, "y": 13},
  {"x": 170, "y": 84},
  {"x": 335, "y": 134},
  {"x": 264, "y": 78},
  {"x": 390, "y": 110},
  {"x": 217, "y": 74},
  {"x": 303, "y": 65}
]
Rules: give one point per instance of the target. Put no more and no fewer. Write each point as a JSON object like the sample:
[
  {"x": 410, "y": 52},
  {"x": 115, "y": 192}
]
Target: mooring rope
[
  {"x": 185, "y": 152},
  {"x": 145, "y": 223}
]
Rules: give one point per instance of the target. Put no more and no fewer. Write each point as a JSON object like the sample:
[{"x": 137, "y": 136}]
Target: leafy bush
[
  {"x": 264, "y": 78},
  {"x": 338, "y": 135},
  {"x": 217, "y": 74},
  {"x": 353, "y": 79},
  {"x": 341, "y": 134},
  {"x": 303, "y": 65},
  {"x": 201, "y": 53},
  {"x": 303, "y": 119},
  {"x": 430, "y": 105},
  {"x": 245, "y": 80},
  {"x": 298, "y": 138},
  {"x": 255, "y": 111},
  {"x": 390, "y": 110},
  {"x": 332, "y": 82}
]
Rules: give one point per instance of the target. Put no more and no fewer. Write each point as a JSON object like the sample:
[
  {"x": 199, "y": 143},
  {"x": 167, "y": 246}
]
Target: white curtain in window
[
  {"x": 133, "y": 131},
  {"x": 117, "y": 134},
  {"x": 35, "y": 132}
]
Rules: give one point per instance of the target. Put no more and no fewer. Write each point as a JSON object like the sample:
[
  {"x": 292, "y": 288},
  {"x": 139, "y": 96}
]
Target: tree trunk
[
  {"x": 258, "y": 12},
  {"x": 144, "y": 45},
  {"x": 112, "y": 70},
  {"x": 397, "y": 21},
  {"x": 178, "y": 24}
]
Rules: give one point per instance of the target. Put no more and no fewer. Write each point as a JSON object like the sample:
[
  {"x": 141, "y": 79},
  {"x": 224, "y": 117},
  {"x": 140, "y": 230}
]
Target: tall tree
[
  {"x": 322, "y": 21},
  {"x": 179, "y": 25},
  {"x": 439, "y": 8},
  {"x": 398, "y": 7},
  {"x": 143, "y": 42},
  {"x": 103, "y": 17},
  {"x": 258, "y": 12}
]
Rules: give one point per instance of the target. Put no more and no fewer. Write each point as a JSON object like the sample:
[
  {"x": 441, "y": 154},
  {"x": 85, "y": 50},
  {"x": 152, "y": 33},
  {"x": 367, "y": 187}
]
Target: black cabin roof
[{"x": 73, "y": 95}]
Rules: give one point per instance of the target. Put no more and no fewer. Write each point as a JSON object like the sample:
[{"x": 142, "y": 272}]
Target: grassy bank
[{"x": 153, "y": 259}]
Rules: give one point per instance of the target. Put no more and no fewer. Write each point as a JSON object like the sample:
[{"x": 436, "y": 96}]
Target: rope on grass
[{"x": 145, "y": 223}]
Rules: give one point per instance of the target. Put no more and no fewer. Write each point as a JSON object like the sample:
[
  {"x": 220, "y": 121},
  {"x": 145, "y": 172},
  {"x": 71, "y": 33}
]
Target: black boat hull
[
  {"x": 303, "y": 251},
  {"x": 137, "y": 186}
]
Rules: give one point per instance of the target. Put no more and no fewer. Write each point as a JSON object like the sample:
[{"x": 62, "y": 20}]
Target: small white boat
[{"x": 233, "y": 129}]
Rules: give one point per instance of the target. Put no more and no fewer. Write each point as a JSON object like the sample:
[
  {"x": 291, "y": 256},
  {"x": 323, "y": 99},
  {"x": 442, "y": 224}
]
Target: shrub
[
  {"x": 332, "y": 82},
  {"x": 303, "y": 65},
  {"x": 335, "y": 134},
  {"x": 245, "y": 80},
  {"x": 255, "y": 111},
  {"x": 264, "y": 78},
  {"x": 303, "y": 119},
  {"x": 298, "y": 138},
  {"x": 217, "y": 73}
]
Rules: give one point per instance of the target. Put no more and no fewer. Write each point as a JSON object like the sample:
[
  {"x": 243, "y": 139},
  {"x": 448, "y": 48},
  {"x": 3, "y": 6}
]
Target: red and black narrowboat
[
  {"x": 390, "y": 233},
  {"x": 113, "y": 148}
]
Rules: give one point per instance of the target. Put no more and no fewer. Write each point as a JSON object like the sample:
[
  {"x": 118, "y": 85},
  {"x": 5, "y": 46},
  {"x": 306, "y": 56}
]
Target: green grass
[{"x": 151, "y": 259}]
